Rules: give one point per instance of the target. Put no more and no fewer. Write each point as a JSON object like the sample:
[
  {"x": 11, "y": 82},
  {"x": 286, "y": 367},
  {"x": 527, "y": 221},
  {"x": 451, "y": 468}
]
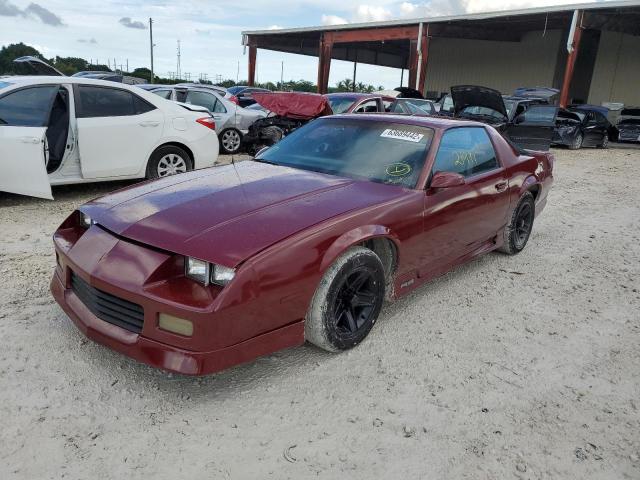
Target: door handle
[
  {"x": 33, "y": 140},
  {"x": 502, "y": 186},
  {"x": 149, "y": 124}
]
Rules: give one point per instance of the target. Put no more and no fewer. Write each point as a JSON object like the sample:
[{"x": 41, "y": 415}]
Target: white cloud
[
  {"x": 371, "y": 13},
  {"x": 333, "y": 20},
  {"x": 275, "y": 27}
]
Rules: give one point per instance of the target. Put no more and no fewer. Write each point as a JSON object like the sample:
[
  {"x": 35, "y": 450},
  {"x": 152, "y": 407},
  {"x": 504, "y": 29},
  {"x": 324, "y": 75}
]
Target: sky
[{"x": 210, "y": 31}]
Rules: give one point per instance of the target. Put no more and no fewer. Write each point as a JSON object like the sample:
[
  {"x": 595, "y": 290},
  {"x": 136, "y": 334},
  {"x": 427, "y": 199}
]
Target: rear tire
[
  {"x": 517, "y": 232},
  {"x": 168, "y": 160},
  {"x": 347, "y": 302},
  {"x": 230, "y": 141},
  {"x": 577, "y": 142},
  {"x": 605, "y": 141}
]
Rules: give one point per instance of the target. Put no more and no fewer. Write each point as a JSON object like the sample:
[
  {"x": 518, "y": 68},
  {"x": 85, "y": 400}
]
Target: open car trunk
[
  {"x": 34, "y": 66},
  {"x": 531, "y": 130}
]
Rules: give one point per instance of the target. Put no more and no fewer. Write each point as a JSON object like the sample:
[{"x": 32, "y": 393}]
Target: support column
[
  {"x": 413, "y": 63},
  {"x": 253, "y": 50},
  {"x": 424, "y": 48},
  {"x": 571, "y": 58},
  {"x": 324, "y": 61}
]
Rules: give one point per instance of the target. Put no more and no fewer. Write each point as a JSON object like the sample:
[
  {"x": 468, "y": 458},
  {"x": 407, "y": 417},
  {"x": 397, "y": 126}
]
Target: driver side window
[{"x": 467, "y": 151}]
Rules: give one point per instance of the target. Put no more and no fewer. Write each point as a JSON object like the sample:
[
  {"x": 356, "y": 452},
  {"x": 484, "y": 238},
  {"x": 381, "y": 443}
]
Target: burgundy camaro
[{"x": 201, "y": 271}]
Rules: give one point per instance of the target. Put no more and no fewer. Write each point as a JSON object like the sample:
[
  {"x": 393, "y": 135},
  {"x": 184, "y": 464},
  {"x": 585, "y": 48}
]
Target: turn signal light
[
  {"x": 175, "y": 325},
  {"x": 208, "y": 122}
]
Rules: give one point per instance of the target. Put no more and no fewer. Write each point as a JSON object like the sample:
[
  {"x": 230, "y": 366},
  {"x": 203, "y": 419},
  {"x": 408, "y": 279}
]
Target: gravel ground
[{"x": 510, "y": 367}]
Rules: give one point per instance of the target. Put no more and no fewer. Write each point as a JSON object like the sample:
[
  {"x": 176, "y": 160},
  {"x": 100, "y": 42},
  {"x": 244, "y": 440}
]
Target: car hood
[
  {"x": 474, "y": 96},
  {"x": 227, "y": 214}
]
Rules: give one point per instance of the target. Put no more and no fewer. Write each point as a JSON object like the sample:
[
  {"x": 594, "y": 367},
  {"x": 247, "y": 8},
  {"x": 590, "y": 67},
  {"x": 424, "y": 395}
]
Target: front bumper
[{"x": 100, "y": 260}]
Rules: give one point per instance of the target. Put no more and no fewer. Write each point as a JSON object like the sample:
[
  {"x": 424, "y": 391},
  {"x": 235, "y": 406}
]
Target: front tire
[
  {"x": 168, "y": 160},
  {"x": 230, "y": 141},
  {"x": 517, "y": 232},
  {"x": 577, "y": 142},
  {"x": 347, "y": 302}
]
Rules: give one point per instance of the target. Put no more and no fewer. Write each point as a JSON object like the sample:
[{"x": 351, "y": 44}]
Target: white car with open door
[{"x": 63, "y": 130}]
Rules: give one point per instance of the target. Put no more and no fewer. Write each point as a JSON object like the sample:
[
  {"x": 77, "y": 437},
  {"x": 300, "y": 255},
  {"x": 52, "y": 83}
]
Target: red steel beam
[
  {"x": 324, "y": 61},
  {"x": 424, "y": 47},
  {"x": 571, "y": 62},
  {"x": 375, "y": 34},
  {"x": 253, "y": 50},
  {"x": 413, "y": 62}
]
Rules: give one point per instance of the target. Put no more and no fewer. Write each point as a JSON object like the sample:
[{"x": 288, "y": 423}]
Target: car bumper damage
[{"x": 118, "y": 303}]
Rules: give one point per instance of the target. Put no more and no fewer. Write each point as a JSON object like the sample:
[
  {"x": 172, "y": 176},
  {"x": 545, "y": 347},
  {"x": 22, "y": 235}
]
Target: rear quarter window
[{"x": 110, "y": 102}]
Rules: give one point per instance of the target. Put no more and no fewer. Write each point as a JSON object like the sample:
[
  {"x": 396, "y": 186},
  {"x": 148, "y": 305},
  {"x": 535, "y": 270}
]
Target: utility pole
[
  {"x": 238, "y": 73},
  {"x": 282, "y": 75},
  {"x": 127, "y": 64},
  {"x": 178, "y": 73},
  {"x": 151, "y": 46}
]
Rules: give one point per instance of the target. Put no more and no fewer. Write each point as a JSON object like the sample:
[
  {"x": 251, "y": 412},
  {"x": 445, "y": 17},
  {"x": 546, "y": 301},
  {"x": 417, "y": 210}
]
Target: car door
[
  {"x": 117, "y": 131},
  {"x": 593, "y": 131},
  {"x": 462, "y": 219},
  {"x": 533, "y": 129},
  {"x": 24, "y": 114}
]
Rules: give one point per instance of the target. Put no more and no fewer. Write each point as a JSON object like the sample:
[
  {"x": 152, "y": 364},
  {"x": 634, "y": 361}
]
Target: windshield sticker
[
  {"x": 398, "y": 169},
  {"x": 402, "y": 135}
]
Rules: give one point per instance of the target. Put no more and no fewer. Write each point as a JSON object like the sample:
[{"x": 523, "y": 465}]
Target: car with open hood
[
  {"x": 65, "y": 130},
  {"x": 525, "y": 122},
  {"x": 196, "y": 273}
]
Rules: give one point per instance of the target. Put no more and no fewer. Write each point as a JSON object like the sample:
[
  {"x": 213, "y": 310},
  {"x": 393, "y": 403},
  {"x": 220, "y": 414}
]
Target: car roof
[
  {"x": 353, "y": 94},
  {"x": 437, "y": 123},
  {"x": 44, "y": 79}
]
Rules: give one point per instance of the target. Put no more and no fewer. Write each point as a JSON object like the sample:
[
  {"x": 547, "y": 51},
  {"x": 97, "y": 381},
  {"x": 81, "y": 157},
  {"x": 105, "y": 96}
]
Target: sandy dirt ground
[{"x": 511, "y": 367}]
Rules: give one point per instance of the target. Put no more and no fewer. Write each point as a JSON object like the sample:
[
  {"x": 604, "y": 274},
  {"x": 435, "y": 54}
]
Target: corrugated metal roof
[{"x": 451, "y": 18}]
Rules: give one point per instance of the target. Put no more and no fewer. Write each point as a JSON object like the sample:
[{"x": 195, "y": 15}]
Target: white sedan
[{"x": 62, "y": 130}]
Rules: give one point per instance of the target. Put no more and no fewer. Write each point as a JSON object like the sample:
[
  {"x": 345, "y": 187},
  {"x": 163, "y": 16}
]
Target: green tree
[{"x": 10, "y": 52}]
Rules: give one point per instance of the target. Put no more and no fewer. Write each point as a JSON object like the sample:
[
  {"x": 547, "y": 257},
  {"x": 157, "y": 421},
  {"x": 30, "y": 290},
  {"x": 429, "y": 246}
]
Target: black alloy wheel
[
  {"x": 524, "y": 224},
  {"x": 355, "y": 302},
  {"x": 347, "y": 301}
]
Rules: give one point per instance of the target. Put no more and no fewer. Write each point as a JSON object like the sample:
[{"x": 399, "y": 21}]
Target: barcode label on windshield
[{"x": 402, "y": 135}]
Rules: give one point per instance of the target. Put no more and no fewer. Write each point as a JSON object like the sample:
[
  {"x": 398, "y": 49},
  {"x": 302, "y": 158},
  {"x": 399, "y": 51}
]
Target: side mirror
[{"x": 447, "y": 180}]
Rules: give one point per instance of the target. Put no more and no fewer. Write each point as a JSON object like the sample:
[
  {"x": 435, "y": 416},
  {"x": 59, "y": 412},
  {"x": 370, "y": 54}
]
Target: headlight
[
  {"x": 222, "y": 275},
  {"x": 206, "y": 273},
  {"x": 197, "y": 270},
  {"x": 85, "y": 220}
]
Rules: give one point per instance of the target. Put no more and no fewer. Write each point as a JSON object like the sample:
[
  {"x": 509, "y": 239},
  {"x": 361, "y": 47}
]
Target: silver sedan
[{"x": 232, "y": 121}]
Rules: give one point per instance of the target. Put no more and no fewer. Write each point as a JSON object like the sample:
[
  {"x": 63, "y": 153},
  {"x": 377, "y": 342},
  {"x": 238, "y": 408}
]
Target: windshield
[
  {"x": 630, "y": 121},
  {"x": 509, "y": 106},
  {"x": 4, "y": 84},
  {"x": 382, "y": 152},
  {"x": 475, "y": 111},
  {"x": 340, "y": 103}
]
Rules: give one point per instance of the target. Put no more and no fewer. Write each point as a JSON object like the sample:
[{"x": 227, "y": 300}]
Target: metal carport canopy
[{"x": 375, "y": 43}]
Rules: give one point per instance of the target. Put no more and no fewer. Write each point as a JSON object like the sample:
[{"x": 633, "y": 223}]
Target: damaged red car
[{"x": 212, "y": 268}]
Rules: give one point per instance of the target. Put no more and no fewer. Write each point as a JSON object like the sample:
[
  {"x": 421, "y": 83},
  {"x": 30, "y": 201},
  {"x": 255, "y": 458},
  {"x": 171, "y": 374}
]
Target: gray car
[{"x": 232, "y": 121}]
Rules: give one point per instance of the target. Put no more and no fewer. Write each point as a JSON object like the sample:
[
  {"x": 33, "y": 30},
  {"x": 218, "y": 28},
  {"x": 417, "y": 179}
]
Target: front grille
[{"x": 107, "y": 307}]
